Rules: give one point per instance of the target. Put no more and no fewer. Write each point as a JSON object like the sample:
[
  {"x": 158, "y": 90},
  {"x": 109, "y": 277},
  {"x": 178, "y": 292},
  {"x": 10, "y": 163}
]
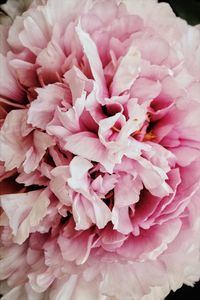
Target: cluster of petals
[{"x": 100, "y": 151}]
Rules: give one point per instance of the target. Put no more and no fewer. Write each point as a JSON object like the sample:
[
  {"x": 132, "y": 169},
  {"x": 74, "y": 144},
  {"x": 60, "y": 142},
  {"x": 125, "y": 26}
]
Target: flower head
[{"x": 100, "y": 151}]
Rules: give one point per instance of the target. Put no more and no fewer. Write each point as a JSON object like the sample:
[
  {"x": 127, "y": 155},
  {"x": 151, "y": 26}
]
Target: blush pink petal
[
  {"x": 12, "y": 261},
  {"x": 174, "y": 180},
  {"x": 145, "y": 89},
  {"x": 153, "y": 178},
  {"x": 70, "y": 119},
  {"x": 63, "y": 288},
  {"x": 39, "y": 282},
  {"x": 185, "y": 155},
  {"x": 24, "y": 212},
  {"x": 95, "y": 210},
  {"x": 41, "y": 142},
  {"x": 78, "y": 82},
  {"x": 11, "y": 88},
  {"x": 35, "y": 177},
  {"x": 102, "y": 212},
  {"x": 82, "y": 218},
  {"x": 126, "y": 73},
  {"x": 78, "y": 180},
  {"x": 32, "y": 29},
  {"x": 121, "y": 219},
  {"x": 77, "y": 248},
  {"x": 41, "y": 111},
  {"x": 26, "y": 72},
  {"x": 112, "y": 239},
  {"x": 194, "y": 91},
  {"x": 94, "y": 60},
  {"x": 51, "y": 59},
  {"x": 88, "y": 146},
  {"x": 102, "y": 185},
  {"x": 183, "y": 195},
  {"x": 13, "y": 145},
  {"x": 152, "y": 243},
  {"x": 129, "y": 186},
  {"x": 58, "y": 184},
  {"x": 192, "y": 62}
]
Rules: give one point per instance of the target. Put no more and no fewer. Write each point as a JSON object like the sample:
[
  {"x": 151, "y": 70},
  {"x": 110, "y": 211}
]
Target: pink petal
[
  {"x": 91, "y": 52},
  {"x": 185, "y": 155},
  {"x": 112, "y": 239},
  {"x": 145, "y": 89},
  {"x": 51, "y": 60},
  {"x": 87, "y": 145},
  {"x": 34, "y": 36},
  {"x": 41, "y": 142},
  {"x": 26, "y": 72},
  {"x": 101, "y": 212},
  {"x": 8, "y": 83},
  {"x": 63, "y": 288},
  {"x": 13, "y": 259},
  {"x": 78, "y": 180},
  {"x": 78, "y": 82},
  {"x": 13, "y": 145},
  {"x": 58, "y": 184},
  {"x": 81, "y": 215},
  {"x": 127, "y": 72},
  {"x": 41, "y": 111},
  {"x": 25, "y": 211},
  {"x": 151, "y": 243},
  {"x": 127, "y": 190},
  {"x": 121, "y": 219},
  {"x": 76, "y": 248},
  {"x": 147, "y": 44},
  {"x": 153, "y": 178},
  {"x": 102, "y": 185}
]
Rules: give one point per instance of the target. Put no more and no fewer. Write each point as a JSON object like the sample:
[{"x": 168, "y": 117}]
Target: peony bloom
[{"x": 100, "y": 151}]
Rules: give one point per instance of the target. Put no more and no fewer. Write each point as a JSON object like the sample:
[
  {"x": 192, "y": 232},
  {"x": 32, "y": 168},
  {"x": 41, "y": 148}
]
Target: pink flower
[{"x": 100, "y": 151}]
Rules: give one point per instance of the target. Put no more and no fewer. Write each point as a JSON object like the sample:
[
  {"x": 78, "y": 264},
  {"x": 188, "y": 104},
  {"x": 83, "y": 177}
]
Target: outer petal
[
  {"x": 25, "y": 211},
  {"x": 94, "y": 60},
  {"x": 79, "y": 181},
  {"x": 41, "y": 142},
  {"x": 87, "y": 145},
  {"x": 42, "y": 110},
  {"x": 13, "y": 144},
  {"x": 9, "y": 87},
  {"x": 127, "y": 71}
]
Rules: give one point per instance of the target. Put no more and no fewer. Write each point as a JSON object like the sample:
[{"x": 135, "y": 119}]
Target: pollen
[{"x": 149, "y": 136}]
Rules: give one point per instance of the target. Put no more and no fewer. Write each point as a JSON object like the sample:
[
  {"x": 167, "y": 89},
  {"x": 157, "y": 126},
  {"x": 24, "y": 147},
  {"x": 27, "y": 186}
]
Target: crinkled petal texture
[{"x": 100, "y": 151}]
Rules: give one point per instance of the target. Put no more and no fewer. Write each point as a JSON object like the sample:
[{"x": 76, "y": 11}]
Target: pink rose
[{"x": 100, "y": 151}]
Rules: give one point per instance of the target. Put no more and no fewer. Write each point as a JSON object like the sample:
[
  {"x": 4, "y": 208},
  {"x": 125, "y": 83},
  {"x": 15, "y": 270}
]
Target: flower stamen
[{"x": 115, "y": 129}]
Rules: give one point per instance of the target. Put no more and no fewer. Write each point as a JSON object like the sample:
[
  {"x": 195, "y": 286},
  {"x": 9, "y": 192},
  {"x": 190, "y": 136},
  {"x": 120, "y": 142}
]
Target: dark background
[{"x": 190, "y": 11}]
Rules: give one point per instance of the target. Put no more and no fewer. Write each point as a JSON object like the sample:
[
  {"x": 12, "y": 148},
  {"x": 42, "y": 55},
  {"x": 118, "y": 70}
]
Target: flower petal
[{"x": 25, "y": 211}]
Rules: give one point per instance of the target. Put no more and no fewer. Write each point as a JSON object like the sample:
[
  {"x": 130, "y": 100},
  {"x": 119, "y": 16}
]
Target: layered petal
[{"x": 28, "y": 210}]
